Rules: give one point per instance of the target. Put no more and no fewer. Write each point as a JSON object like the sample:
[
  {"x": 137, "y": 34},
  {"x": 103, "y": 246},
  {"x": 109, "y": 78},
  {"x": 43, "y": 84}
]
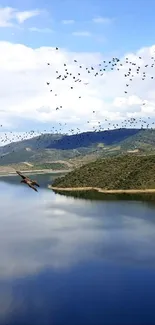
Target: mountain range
[{"x": 74, "y": 150}]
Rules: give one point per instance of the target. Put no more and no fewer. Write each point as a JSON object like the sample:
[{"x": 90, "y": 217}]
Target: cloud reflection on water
[{"x": 55, "y": 231}]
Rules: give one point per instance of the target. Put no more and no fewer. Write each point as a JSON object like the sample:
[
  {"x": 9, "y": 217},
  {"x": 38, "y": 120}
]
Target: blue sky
[{"x": 131, "y": 27}]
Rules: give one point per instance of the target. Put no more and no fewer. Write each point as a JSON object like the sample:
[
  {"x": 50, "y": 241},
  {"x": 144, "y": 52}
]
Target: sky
[{"x": 89, "y": 31}]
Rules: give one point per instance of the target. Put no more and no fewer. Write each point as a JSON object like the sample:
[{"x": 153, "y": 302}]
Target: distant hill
[
  {"x": 123, "y": 172},
  {"x": 37, "y": 156},
  {"x": 145, "y": 139},
  {"x": 79, "y": 148},
  {"x": 87, "y": 139},
  {"x": 37, "y": 142}
]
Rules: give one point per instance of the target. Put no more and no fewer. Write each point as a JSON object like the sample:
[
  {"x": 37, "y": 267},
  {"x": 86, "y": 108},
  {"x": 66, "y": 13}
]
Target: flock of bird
[
  {"x": 132, "y": 69},
  {"x": 106, "y": 124},
  {"x": 128, "y": 68}
]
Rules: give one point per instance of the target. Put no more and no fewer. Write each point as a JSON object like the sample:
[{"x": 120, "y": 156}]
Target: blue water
[{"x": 73, "y": 261}]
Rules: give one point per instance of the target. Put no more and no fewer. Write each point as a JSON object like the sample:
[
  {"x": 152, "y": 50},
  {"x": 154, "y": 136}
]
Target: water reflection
[
  {"x": 43, "y": 179},
  {"x": 63, "y": 259},
  {"x": 98, "y": 196}
]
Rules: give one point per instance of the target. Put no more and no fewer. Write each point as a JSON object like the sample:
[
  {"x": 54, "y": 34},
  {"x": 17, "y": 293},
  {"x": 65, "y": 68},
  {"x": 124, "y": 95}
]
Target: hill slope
[
  {"x": 36, "y": 156},
  {"x": 145, "y": 139},
  {"x": 70, "y": 142},
  {"x": 37, "y": 142},
  {"x": 124, "y": 172},
  {"x": 81, "y": 148},
  {"x": 86, "y": 139}
]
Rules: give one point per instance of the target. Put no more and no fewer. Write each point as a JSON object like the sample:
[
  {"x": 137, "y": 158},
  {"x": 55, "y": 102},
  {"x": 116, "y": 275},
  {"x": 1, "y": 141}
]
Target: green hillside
[
  {"x": 122, "y": 172},
  {"x": 35, "y": 143},
  {"x": 40, "y": 150},
  {"x": 144, "y": 140},
  {"x": 36, "y": 156}
]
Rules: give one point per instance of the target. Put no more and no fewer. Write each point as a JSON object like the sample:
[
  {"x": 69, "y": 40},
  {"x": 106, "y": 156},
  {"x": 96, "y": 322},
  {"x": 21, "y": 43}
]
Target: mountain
[
  {"x": 79, "y": 148},
  {"x": 70, "y": 142},
  {"x": 87, "y": 139},
  {"x": 145, "y": 139},
  {"x": 38, "y": 142},
  {"x": 123, "y": 172}
]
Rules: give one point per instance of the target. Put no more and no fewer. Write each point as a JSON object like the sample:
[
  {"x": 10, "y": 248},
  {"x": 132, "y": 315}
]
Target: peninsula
[{"x": 122, "y": 174}]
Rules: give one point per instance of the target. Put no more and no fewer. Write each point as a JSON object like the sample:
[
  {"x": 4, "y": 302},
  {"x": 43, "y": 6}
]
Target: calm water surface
[{"x": 75, "y": 261}]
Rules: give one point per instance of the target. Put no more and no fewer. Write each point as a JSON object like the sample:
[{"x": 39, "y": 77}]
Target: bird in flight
[{"x": 26, "y": 180}]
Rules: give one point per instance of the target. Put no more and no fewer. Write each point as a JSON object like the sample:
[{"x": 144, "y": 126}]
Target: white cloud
[
  {"x": 40, "y": 30},
  {"x": 68, "y": 21},
  {"x": 24, "y": 92},
  {"x": 82, "y": 33},
  {"x": 102, "y": 20},
  {"x": 9, "y": 15},
  {"x": 21, "y": 16},
  {"x": 6, "y": 15},
  {"x": 62, "y": 235}
]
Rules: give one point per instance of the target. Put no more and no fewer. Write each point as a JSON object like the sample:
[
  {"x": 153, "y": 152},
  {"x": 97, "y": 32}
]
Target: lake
[{"x": 75, "y": 260}]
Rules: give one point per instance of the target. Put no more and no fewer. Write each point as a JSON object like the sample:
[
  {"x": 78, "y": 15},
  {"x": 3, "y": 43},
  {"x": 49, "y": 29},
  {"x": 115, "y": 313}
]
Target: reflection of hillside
[{"x": 98, "y": 196}]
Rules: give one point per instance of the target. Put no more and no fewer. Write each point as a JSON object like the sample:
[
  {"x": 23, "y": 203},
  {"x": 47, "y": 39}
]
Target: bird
[{"x": 26, "y": 180}]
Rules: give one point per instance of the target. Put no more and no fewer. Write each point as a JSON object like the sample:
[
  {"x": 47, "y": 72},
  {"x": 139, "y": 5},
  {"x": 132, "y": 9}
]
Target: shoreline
[
  {"x": 101, "y": 190},
  {"x": 35, "y": 171}
]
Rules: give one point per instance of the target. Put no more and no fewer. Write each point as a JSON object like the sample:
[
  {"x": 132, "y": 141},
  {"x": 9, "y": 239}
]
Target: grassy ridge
[
  {"x": 123, "y": 172},
  {"x": 25, "y": 166},
  {"x": 84, "y": 147}
]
